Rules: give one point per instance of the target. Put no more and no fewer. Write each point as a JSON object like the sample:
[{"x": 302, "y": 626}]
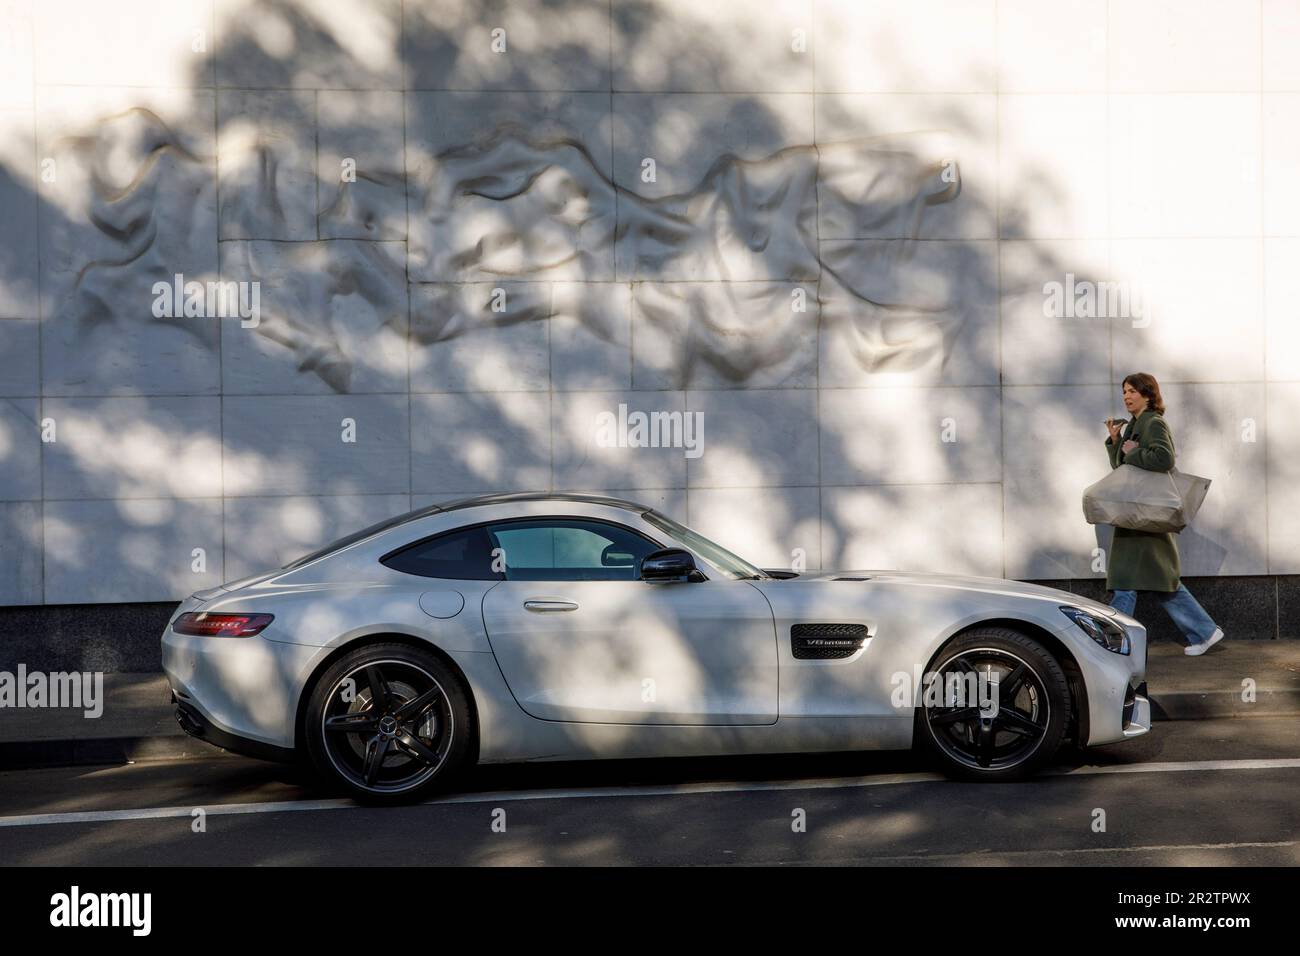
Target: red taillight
[{"x": 221, "y": 625}]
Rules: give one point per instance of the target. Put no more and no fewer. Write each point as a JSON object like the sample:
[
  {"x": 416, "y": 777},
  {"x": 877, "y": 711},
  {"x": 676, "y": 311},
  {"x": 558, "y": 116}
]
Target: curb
[
  {"x": 1210, "y": 705},
  {"x": 101, "y": 751}
]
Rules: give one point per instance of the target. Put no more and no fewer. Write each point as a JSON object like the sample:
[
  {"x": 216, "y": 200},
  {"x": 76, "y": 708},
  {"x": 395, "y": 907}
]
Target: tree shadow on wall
[{"x": 496, "y": 235}]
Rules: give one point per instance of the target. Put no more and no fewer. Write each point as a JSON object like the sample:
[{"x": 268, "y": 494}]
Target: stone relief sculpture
[
  {"x": 514, "y": 209},
  {"x": 731, "y": 274},
  {"x": 139, "y": 207}
]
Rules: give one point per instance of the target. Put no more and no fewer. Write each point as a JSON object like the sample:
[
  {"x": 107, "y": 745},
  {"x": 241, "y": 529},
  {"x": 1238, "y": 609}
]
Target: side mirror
[{"x": 669, "y": 564}]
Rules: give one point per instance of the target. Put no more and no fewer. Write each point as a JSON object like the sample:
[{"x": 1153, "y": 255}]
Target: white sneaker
[{"x": 1196, "y": 650}]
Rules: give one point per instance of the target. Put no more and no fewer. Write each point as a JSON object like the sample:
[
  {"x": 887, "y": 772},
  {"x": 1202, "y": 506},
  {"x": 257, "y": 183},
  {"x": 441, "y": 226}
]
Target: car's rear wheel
[
  {"x": 388, "y": 723},
  {"x": 1018, "y": 717}
]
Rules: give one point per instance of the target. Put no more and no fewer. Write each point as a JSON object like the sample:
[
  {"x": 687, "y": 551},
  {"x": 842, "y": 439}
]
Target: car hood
[{"x": 962, "y": 582}]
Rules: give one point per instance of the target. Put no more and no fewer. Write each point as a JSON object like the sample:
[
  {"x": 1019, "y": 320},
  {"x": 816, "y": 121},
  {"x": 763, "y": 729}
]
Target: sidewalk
[
  {"x": 1198, "y": 688},
  {"x": 137, "y": 722}
]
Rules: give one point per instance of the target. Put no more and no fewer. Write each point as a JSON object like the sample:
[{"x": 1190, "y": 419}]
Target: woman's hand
[
  {"x": 1114, "y": 427},
  {"x": 1129, "y": 446}
]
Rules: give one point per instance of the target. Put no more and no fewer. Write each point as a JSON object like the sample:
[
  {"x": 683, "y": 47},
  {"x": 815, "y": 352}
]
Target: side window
[
  {"x": 569, "y": 549},
  {"x": 458, "y": 555}
]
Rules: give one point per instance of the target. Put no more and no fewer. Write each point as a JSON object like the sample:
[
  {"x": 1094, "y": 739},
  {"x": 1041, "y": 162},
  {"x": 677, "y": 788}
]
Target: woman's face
[{"x": 1133, "y": 400}]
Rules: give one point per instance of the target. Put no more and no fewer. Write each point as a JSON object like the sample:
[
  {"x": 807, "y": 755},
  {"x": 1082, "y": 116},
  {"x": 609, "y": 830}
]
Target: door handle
[{"x": 543, "y": 607}]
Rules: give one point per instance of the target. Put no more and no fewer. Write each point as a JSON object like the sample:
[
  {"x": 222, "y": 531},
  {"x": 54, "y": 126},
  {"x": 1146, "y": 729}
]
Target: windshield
[{"x": 715, "y": 554}]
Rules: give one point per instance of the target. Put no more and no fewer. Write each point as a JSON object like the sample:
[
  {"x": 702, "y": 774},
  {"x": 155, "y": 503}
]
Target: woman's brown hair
[{"x": 1146, "y": 385}]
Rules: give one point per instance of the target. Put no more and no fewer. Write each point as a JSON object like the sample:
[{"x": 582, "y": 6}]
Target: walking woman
[{"x": 1148, "y": 560}]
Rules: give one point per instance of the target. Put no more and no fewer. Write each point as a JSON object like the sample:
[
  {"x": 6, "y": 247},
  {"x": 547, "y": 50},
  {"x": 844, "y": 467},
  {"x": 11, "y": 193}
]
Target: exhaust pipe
[{"x": 188, "y": 722}]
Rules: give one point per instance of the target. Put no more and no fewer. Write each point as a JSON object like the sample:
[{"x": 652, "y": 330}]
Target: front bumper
[
  {"x": 1137, "y": 711},
  {"x": 1118, "y": 707}
]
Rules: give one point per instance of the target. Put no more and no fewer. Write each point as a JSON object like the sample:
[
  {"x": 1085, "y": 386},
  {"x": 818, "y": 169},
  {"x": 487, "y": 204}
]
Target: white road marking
[
  {"x": 663, "y": 790},
  {"x": 165, "y": 813},
  {"x": 1265, "y": 763},
  {"x": 996, "y": 856}
]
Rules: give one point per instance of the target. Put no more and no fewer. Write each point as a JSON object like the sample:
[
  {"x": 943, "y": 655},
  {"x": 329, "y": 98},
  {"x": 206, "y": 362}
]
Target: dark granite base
[
  {"x": 1288, "y": 606},
  {"x": 121, "y": 638},
  {"x": 124, "y": 637}
]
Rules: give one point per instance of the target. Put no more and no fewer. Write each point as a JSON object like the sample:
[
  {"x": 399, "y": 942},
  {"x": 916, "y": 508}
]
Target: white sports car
[{"x": 568, "y": 626}]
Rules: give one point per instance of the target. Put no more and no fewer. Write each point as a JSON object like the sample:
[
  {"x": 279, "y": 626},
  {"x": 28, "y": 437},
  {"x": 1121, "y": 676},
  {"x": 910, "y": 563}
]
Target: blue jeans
[{"x": 1185, "y": 611}]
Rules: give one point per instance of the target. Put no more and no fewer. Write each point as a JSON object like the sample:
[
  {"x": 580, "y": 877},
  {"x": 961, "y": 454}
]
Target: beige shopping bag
[{"x": 1133, "y": 497}]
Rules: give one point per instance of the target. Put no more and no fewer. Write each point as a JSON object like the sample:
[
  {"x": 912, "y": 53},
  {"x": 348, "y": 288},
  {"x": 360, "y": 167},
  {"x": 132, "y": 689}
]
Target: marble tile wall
[{"x": 824, "y": 228}]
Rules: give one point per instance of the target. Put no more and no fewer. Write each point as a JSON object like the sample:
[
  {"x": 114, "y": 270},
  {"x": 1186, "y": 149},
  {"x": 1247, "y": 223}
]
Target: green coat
[{"x": 1143, "y": 560}]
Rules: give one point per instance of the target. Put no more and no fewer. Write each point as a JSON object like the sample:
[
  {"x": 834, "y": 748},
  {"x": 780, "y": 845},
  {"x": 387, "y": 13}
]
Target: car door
[{"x": 579, "y": 637}]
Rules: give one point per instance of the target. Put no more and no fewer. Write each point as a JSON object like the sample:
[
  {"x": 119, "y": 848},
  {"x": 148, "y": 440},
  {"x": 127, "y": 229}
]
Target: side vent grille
[{"x": 826, "y": 642}]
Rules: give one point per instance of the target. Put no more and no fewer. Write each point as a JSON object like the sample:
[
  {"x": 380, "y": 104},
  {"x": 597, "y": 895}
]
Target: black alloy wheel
[
  {"x": 1019, "y": 714},
  {"x": 388, "y": 722}
]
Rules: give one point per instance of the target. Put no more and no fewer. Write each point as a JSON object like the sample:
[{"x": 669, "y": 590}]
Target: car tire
[
  {"x": 388, "y": 723},
  {"x": 1027, "y": 725}
]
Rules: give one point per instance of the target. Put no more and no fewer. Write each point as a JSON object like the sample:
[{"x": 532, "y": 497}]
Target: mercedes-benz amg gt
[{"x": 530, "y": 627}]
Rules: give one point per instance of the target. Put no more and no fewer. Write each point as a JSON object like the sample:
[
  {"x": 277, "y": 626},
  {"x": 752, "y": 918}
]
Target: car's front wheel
[
  {"x": 995, "y": 705},
  {"x": 389, "y": 723}
]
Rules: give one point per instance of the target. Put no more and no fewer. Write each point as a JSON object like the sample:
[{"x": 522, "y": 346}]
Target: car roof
[
  {"x": 513, "y": 496},
  {"x": 461, "y": 503}
]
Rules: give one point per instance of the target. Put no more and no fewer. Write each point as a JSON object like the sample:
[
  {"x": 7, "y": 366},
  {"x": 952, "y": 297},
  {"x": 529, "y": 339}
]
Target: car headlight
[{"x": 1103, "y": 630}]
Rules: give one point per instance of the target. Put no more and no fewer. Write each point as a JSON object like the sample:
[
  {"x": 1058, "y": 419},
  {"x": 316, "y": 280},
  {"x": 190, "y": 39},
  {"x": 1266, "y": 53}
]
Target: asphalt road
[{"x": 1219, "y": 792}]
